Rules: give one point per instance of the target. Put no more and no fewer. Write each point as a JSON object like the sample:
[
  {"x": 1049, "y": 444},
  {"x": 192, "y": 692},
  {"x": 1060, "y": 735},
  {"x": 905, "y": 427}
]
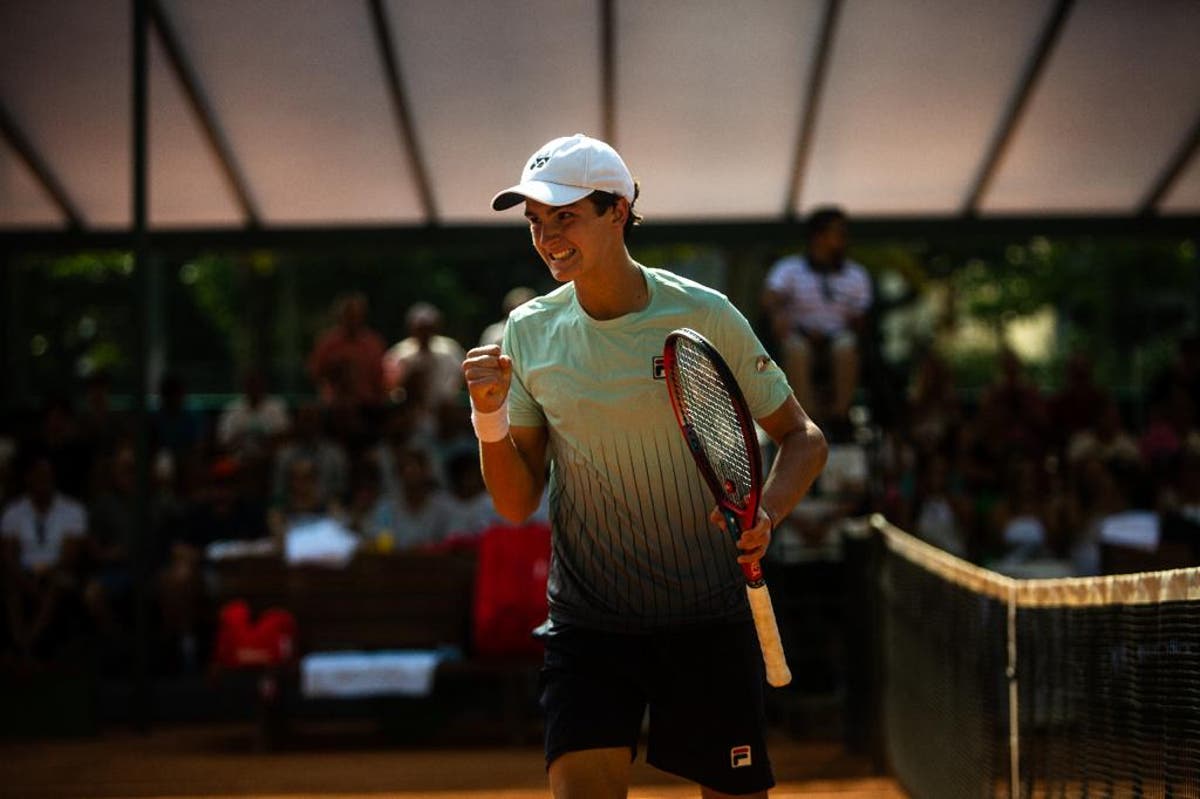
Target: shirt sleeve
[
  {"x": 762, "y": 381},
  {"x": 523, "y": 409}
]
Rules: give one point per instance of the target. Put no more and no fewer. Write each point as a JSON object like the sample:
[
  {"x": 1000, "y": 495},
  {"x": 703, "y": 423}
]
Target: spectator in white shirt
[
  {"x": 817, "y": 305},
  {"x": 43, "y": 534}
]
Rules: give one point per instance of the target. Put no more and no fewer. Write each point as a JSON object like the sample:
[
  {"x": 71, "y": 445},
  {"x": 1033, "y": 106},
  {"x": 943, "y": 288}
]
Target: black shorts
[{"x": 703, "y": 686}]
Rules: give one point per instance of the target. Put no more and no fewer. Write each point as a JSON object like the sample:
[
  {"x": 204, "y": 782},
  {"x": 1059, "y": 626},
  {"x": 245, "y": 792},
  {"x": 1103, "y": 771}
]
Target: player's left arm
[{"x": 801, "y": 456}]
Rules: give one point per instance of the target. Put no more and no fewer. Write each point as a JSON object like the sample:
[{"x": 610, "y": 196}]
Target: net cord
[{"x": 1014, "y": 702}]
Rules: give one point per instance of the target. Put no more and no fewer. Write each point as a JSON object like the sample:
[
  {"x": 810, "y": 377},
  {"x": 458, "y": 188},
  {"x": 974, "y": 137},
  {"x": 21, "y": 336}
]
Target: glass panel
[
  {"x": 64, "y": 75},
  {"x": 298, "y": 87},
  {"x": 1118, "y": 96},
  {"x": 489, "y": 82},
  {"x": 23, "y": 201},
  {"x": 709, "y": 100},
  {"x": 915, "y": 93}
]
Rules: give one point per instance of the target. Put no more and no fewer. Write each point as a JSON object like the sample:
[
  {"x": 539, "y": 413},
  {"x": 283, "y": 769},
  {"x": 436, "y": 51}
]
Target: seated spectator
[
  {"x": 426, "y": 366},
  {"x": 817, "y": 305},
  {"x": 942, "y": 512},
  {"x": 43, "y": 533},
  {"x": 60, "y": 438},
  {"x": 309, "y": 442},
  {"x": 472, "y": 504},
  {"x": 175, "y": 427},
  {"x": 1023, "y": 530},
  {"x": 420, "y": 512},
  {"x": 934, "y": 411},
  {"x": 345, "y": 363},
  {"x": 1076, "y": 406},
  {"x": 1012, "y": 411},
  {"x": 303, "y": 499},
  {"x": 1105, "y": 438},
  {"x": 223, "y": 511},
  {"x": 493, "y": 334},
  {"x": 100, "y": 426},
  {"x": 251, "y": 425}
]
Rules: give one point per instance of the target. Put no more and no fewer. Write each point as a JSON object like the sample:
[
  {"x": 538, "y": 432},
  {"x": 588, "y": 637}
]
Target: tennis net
[{"x": 996, "y": 687}]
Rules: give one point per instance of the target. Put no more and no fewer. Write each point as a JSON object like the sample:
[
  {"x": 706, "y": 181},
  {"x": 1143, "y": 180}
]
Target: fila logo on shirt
[
  {"x": 658, "y": 368},
  {"x": 739, "y": 756}
]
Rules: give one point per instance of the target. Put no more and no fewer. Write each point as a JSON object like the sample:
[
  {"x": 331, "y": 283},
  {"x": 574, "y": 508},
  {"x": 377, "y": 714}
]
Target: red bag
[
  {"x": 243, "y": 642},
  {"x": 510, "y": 590}
]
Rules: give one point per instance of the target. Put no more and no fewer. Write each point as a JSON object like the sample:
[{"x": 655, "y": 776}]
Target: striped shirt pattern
[
  {"x": 817, "y": 302},
  {"x": 633, "y": 548}
]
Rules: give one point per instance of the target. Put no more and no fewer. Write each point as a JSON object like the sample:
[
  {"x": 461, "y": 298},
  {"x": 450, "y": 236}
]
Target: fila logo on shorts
[{"x": 739, "y": 756}]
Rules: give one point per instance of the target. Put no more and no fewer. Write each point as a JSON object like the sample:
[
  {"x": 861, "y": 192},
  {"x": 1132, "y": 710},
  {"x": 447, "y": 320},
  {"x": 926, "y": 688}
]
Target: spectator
[
  {"x": 514, "y": 298},
  {"x": 817, "y": 306},
  {"x": 934, "y": 411},
  {"x": 1106, "y": 438},
  {"x": 472, "y": 504},
  {"x": 43, "y": 535},
  {"x": 1012, "y": 411},
  {"x": 346, "y": 362},
  {"x": 420, "y": 512},
  {"x": 68, "y": 451},
  {"x": 304, "y": 501},
  {"x": 1077, "y": 405},
  {"x": 1023, "y": 529},
  {"x": 425, "y": 367},
  {"x": 250, "y": 425},
  {"x": 222, "y": 512},
  {"x": 941, "y": 510},
  {"x": 101, "y": 427},
  {"x": 309, "y": 442},
  {"x": 176, "y": 428}
]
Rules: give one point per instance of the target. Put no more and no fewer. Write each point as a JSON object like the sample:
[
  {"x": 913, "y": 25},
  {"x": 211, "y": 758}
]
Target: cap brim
[{"x": 540, "y": 191}]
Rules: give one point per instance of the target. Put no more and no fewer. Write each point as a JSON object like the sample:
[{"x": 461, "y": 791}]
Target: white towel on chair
[{"x": 360, "y": 674}]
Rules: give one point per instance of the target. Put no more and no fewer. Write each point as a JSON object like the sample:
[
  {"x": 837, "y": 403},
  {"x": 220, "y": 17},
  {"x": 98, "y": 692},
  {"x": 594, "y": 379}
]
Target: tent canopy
[{"x": 285, "y": 114}]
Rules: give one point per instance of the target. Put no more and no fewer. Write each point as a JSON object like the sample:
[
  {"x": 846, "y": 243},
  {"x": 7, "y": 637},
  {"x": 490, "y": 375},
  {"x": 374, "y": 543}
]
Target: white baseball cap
[{"x": 567, "y": 169}]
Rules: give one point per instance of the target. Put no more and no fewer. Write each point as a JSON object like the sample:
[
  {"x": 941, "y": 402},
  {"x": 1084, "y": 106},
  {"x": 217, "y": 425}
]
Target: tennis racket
[{"x": 719, "y": 430}]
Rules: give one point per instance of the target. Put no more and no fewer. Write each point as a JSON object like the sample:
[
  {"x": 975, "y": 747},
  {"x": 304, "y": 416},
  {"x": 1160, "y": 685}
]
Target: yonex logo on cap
[
  {"x": 539, "y": 161},
  {"x": 739, "y": 756}
]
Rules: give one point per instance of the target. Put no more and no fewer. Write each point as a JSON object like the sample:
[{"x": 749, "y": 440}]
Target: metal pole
[{"x": 142, "y": 272}]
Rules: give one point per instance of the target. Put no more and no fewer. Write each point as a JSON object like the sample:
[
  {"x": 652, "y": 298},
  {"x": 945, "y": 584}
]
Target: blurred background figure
[
  {"x": 43, "y": 533},
  {"x": 494, "y": 333},
  {"x": 817, "y": 305},
  {"x": 345, "y": 363},
  {"x": 425, "y": 368},
  {"x": 251, "y": 424}
]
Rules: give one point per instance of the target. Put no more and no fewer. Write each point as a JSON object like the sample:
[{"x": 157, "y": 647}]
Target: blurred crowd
[
  {"x": 383, "y": 452},
  {"x": 1026, "y": 481}
]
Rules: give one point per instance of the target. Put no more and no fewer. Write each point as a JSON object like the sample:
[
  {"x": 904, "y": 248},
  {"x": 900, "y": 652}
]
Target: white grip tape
[
  {"x": 492, "y": 426},
  {"x": 778, "y": 674}
]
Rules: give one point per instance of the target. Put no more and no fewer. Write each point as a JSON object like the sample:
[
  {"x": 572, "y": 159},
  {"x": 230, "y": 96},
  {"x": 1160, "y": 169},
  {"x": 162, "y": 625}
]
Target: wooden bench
[{"x": 394, "y": 601}]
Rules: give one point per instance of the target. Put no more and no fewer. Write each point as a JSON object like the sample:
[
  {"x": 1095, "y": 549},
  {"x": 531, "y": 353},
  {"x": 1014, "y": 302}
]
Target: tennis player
[{"x": 648, "y": 605}]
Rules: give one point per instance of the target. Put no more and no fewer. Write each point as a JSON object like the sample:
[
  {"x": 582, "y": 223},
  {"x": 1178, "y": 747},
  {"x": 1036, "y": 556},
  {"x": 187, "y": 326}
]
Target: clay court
[{"x": 345, "y": 761}]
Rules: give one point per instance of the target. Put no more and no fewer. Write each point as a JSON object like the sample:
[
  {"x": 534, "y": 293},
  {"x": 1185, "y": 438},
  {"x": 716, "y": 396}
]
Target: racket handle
[{"x": 778, "y": 673}]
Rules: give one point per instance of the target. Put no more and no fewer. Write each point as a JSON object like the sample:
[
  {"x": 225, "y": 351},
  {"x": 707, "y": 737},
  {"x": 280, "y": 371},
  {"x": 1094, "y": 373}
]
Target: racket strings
[{"x": 708, "y": 409}]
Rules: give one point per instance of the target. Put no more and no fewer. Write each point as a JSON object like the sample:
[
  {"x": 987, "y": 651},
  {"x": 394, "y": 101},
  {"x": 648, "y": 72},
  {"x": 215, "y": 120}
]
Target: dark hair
[
  {"x": 821, "y": 219},
  {"x": 604, "y": 200}
]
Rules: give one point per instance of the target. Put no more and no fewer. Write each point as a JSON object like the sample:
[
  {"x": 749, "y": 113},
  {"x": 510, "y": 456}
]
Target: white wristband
[{"x": 490, "y": 427}]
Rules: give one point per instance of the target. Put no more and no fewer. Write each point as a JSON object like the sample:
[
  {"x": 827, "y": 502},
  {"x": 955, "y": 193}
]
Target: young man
[{"x": 647, "y": 603}]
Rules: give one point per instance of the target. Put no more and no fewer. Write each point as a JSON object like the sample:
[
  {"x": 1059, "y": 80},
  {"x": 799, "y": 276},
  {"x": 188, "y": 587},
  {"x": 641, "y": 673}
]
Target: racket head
[{"x": 716, "y": 423}]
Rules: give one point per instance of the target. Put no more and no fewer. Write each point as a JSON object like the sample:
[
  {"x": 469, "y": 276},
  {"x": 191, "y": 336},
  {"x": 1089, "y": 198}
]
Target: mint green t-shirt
[{"x": 633, "y": 548}]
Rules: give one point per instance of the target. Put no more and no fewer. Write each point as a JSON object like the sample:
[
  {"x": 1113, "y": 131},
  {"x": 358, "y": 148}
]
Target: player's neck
[{"x": 613, "y": 292}]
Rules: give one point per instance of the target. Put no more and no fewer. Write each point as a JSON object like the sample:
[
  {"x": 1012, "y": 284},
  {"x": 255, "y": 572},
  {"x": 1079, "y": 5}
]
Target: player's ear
[{"x": 620, "y": 211}]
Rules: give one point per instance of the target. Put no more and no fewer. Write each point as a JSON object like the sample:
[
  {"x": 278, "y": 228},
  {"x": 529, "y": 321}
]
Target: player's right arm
[{"x": 514, "y": 468}]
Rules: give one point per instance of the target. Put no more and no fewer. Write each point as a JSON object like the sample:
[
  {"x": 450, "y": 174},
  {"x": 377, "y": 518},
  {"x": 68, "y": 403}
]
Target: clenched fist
[{"x": 488, "y": 373}]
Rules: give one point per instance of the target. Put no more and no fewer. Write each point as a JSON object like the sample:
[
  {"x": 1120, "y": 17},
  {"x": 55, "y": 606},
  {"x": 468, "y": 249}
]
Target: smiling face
[{"x": 574, "y": 240}]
